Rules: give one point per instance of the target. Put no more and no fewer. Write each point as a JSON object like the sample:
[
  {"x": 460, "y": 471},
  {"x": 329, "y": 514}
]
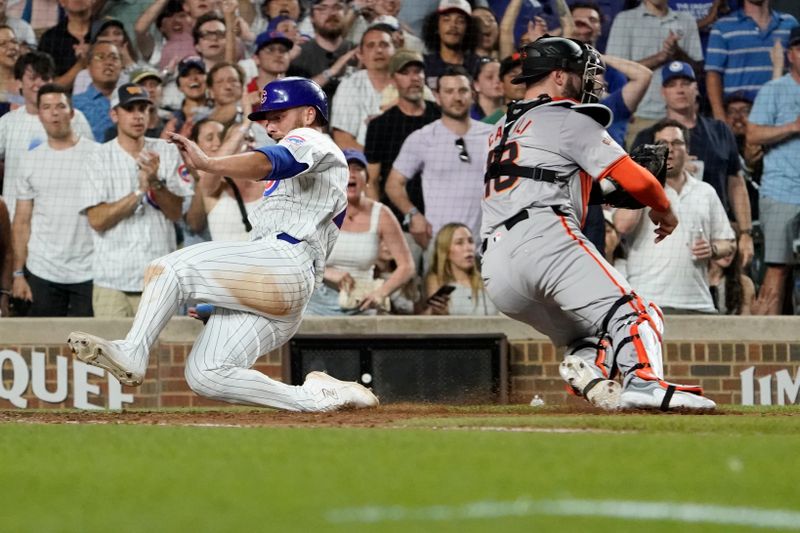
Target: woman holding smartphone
[{"x": 453, "y": 283}]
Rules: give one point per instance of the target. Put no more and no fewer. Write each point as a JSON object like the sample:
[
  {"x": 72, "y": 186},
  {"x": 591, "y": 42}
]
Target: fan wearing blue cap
[
  {"x": 712, "y": 145},
  {"x": 271, "y": 58}
]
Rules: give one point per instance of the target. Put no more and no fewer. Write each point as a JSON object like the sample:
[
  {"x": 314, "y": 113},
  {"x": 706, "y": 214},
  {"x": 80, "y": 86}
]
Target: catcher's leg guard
[
  {"x": 586, "y": 368},
  {"x": 636, "y": 330}
]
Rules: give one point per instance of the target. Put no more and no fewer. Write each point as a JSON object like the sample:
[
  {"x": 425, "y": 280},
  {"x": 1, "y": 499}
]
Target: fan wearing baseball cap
[
  {"x": 450, "y": 34},
  {"x": 132, "y": 196},
  {"x": 711, "y": 142},
  {"x": 150, "y": 80},
  {"x": 187, "y": 94},
  {"x": 271, "y": 58}
]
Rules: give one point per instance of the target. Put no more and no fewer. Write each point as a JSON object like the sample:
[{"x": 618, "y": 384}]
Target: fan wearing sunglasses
[{"x": 450, "y": 153}]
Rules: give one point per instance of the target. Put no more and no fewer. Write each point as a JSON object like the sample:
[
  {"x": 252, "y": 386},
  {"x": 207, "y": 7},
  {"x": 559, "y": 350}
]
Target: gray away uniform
[{"x": 538, "y": 266}]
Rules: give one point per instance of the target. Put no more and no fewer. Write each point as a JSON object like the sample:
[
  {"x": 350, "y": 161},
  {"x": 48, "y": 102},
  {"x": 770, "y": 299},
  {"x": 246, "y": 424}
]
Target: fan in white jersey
[
  {"x": 538, "y": 267},
  {"x": 258, "y": 289}
]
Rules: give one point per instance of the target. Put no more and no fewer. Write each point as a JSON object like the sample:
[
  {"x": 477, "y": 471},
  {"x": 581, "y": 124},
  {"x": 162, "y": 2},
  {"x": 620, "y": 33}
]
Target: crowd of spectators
[{"x": 91, "y": 192}]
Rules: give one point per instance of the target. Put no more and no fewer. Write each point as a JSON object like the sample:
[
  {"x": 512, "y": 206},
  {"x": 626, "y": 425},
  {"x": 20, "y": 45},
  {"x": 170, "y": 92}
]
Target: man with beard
[
  {"x": 294, "y": 230},
  {"x": 386, "y": 132},
  {"x": 738, "y": 57},
  {"x": 324, "y": 58},
  {"x": 52, "y": 241},
  {"x": 451, "y": 155},
  {"x": 538, "y": 267},
  {"x": 450, "y": 35},
  {"x": 105, "y": 68},
  {"x": 358, "y": 98}
]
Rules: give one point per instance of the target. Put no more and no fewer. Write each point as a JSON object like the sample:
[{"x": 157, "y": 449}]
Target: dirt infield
[{"x": 383, "y": 416}]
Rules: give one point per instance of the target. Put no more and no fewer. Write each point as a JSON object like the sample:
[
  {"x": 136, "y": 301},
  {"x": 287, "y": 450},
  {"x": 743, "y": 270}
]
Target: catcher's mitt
[{"x": 653, "y": 157}]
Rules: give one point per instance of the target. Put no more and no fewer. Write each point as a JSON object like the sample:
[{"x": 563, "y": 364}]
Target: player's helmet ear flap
[
  {"x": 286, "y": 93},
  {"x": 547, "y": 54}
]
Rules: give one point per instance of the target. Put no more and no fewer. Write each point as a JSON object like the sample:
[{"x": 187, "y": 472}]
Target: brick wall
[{"x": 716, "y": 362}]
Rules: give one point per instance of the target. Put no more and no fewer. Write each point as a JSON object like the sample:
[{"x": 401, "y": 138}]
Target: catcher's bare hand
[
  {"x": 665, "y": 222},
  {"x": 192, "y": 155}
]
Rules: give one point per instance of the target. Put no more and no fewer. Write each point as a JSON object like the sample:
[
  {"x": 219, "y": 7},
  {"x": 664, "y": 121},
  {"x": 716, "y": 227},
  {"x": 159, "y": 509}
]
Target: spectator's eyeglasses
[
  {"x": 10, "y": 42},
  {"x": 114, "y": 58},
  {"x": 217, "y": 34},
  {"x": 677, "y": 143},
  {"x": 463, "y": 155}
]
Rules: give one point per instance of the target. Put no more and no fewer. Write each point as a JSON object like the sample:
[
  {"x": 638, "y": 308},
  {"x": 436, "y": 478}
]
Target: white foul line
[{"x": 632, "y": 510}]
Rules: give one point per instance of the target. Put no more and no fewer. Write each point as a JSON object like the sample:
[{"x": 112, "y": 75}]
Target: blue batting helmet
[{"x": 286, "y": 93}]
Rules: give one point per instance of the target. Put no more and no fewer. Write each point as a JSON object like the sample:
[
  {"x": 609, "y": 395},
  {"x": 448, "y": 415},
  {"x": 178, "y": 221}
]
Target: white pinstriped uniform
[{"x": 259, "y": 288}]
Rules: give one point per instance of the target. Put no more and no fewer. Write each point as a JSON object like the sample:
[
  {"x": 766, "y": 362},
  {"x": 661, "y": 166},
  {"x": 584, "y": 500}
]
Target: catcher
[{"x": 549, "y": 157}]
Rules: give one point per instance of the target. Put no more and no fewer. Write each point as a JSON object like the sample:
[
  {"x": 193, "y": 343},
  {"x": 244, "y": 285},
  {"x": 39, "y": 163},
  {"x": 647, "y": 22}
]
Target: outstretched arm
[{"x": 247, "y": 166}]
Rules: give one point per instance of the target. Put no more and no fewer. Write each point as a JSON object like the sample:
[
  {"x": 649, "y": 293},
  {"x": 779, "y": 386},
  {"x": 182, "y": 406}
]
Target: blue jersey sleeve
[{"x": 284, "y": 165}]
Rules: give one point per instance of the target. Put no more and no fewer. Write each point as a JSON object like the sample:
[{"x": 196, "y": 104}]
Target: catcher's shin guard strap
[
  {"x": 589, "y": 386},
  {"x": 667, "y": 398}
]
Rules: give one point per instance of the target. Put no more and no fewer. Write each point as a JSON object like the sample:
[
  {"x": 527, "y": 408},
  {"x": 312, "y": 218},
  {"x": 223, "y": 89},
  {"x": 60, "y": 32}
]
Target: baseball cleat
[
  {"x": 101, "y": 353},
  {"x": 641, "y": 394},
  {"x": 332, "y": 394},
  {"x": 598, "y": 391}
]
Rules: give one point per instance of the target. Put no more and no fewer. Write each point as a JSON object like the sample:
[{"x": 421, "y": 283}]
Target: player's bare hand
[
  {"x": 746, "y": 249},
  {"x": 192, "y": 155},
  {"x": 20, "y": 289},
  {"x": 420, "y": 229},
  {"x": 665, "y": 222}
]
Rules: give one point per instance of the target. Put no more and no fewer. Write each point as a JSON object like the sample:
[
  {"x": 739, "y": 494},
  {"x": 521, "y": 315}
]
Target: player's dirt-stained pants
[
  {"x": 259, "y": 290},
  {"x": 544, "y": 272}
]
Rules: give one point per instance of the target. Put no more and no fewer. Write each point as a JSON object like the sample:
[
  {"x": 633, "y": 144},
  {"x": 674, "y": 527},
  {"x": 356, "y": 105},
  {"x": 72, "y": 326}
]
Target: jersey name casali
[{"x": 556, "y": 137}]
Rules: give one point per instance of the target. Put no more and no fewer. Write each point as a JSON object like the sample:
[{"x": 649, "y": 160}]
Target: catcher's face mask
[{"x": 592, "y": 83}]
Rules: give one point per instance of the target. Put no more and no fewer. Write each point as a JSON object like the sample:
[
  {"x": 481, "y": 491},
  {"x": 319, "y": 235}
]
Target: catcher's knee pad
[{"x": 635, "y": 330}]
